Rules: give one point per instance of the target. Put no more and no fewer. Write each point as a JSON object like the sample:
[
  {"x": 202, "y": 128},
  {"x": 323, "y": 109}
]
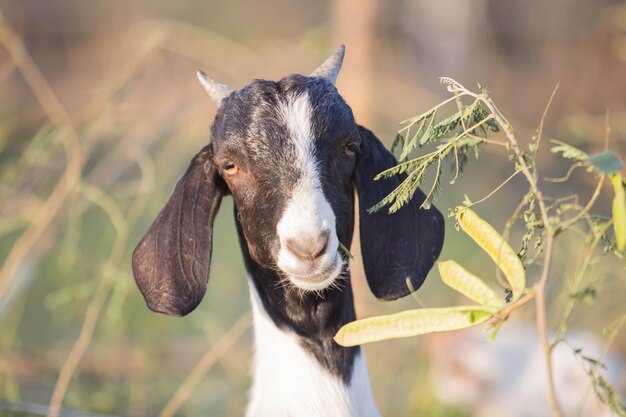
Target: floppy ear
[
  {"x": 171, "y": 263},
  {"x": 394, "y": 246}
]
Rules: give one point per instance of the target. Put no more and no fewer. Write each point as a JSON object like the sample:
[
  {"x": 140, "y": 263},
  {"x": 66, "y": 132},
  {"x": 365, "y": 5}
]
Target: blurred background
[{"x": 100, "y": 112}]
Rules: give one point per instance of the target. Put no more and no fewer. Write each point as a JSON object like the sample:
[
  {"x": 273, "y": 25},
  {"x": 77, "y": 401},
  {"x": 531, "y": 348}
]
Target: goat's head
[{"x": 291, "y": 154}]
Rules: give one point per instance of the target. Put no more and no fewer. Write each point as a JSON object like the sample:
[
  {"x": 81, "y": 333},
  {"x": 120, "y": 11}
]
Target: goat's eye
[
  {"x": 229, "y": 168},
  {"x": 351, "y": 148}
]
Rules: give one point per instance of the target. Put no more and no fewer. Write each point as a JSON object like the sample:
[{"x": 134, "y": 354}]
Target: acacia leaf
[
  {"x": 468, "y": 284},
  {"x": 568, "y": 151},
  {"x": 411, "y": 323}
]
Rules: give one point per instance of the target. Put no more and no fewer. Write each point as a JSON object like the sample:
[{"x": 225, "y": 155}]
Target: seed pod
[
  {"x": 498, "y": 249},
  {"x": 411, "y": 323},
  {"x": 468, "y": 284},
  {"x": 619, "y": 212}
]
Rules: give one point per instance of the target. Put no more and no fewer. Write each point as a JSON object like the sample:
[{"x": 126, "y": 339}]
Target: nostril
[
  {"x": 322, "y": 243},
  {"x": 309, "y": 248}
]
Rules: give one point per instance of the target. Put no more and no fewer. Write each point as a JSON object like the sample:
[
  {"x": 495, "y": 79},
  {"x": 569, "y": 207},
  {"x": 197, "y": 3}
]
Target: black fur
[
  {"x": 248, "y": 130},
  {"x": 395, "y": 247},
  {"x": 171, "y": 263}
]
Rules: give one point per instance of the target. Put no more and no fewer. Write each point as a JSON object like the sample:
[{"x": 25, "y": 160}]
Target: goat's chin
[{"x": 317, "y": 280}]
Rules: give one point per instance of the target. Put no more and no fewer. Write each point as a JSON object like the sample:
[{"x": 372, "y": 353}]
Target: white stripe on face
[{"x": 308, "y": 213}]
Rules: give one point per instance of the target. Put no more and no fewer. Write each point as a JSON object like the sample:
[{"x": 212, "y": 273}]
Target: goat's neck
[{"x": 298, "y": 369}]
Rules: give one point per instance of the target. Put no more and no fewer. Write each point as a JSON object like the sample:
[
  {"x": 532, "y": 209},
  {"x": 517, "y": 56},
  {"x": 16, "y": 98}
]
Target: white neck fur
[{"x": 288, "y": 381}]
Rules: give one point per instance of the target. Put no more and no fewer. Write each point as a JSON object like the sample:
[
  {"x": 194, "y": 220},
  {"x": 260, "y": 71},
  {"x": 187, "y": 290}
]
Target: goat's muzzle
[{"x": 308, "y": 249}]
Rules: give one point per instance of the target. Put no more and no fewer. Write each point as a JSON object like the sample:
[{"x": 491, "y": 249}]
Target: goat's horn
[
  {"x": 217, "y": 91},
  {"x": 330, "y": 68}
]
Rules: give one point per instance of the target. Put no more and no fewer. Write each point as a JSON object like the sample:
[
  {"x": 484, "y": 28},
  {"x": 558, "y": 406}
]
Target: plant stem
[
  {"x": 584, "y": 265},
  {"x": 586, "y": 209},
  {"x": 540, "y": 129},
  {"x": 498, "y": 188},
  {"x": 414, "y": 120},
  {"x": 504, "y": 314},
  {"x": 542, "y": 325},
  {"x": 540, "y": 287}
]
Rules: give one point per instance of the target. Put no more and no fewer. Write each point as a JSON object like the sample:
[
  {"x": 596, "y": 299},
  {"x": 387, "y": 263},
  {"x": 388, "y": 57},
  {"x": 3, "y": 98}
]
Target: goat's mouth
[{"x": 318, "y": 279}]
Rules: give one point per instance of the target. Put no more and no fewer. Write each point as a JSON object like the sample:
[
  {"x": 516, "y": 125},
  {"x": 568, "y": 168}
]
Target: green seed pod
[
  {"x": 498, "y": 249},
  {"x": 468, "y": 284},
  {"x": 619, "y": 212},
  {"x": 412, "y": 323}
]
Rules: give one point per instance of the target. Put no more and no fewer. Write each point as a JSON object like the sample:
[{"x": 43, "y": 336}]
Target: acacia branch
[
  {"x": 504, "y": 314},
  {"x": 585, "y": 210},
  {"x": 540, "y": 286}
]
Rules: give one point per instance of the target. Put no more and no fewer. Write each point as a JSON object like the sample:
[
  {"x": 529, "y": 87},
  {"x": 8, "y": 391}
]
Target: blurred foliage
[{"x": 100, "y": 112}]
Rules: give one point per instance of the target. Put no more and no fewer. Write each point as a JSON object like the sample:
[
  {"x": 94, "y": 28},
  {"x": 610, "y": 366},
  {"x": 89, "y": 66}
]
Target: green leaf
[
  {"x": 607, "y": 162},
  {"x": 468, "y": 284},
  {"x": 399, "y": 140},
  {"x": 587, "y": 295},
  {"x": 496, "y": 247},
  {"x": 458, "y": 135},
  {"x": 411, "y": 323},
  {"x": 450, "y": 81},
  {"x": 346, "y": 251},
  {"x": 419, "y": 135},
  {"x": 569, "y": 151},
  {"x": 411, "y": 165}
]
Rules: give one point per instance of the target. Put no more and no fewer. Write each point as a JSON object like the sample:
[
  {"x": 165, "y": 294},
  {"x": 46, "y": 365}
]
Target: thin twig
[
  {"x": 498, "y": 188},
  {"x": 542, "y": 325},
  {"x": 222, "y": 347},
  {"x": 585, "y": 210},
  {"x": 414, "y": 120},
  {"x": 607, "y": 129},
  {"x": 59, "y": 116},
  {"x": 505, "y": 313},
  {"x": 80, "y": 347},
  {"x": 568, "y": 174},
  {"x": 585, "y": 261},
  {"x": 541, "y": 122},
  {"x": 122, "y": 225},
  {"x": 97, "y": 302},
  {"x": 614, "y": 332}
]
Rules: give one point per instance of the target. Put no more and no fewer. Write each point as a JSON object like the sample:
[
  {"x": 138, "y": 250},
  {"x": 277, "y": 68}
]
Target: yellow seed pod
[
  {"x": 412, "y": 323},
  {"x": 468, "y": 284},
  {"x": 496, "y": 247},
  {"x": 619, "y": 212}
]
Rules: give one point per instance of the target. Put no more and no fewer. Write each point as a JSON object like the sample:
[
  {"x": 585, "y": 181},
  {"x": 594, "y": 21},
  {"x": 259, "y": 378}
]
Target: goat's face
[
  {"x": 291, "y": 155},
  {"x": 287, "y": 152}
]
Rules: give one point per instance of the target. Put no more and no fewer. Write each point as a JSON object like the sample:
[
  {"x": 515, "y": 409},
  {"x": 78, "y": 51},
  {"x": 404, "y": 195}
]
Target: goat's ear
[
  {"x": 171, "y": 263},
  {"x": 394, "y": 246}
]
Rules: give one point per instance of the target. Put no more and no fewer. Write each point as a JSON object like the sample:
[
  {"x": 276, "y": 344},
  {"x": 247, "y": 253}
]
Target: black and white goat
[{"x": 291, "y": 155}]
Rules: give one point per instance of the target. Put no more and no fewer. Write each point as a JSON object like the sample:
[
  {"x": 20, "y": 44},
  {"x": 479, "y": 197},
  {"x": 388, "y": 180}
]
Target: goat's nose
[{"x": 308, "y": 248}]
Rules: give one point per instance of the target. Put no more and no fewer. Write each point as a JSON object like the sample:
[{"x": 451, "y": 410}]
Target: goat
[{"x": 291, "y": 155}]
